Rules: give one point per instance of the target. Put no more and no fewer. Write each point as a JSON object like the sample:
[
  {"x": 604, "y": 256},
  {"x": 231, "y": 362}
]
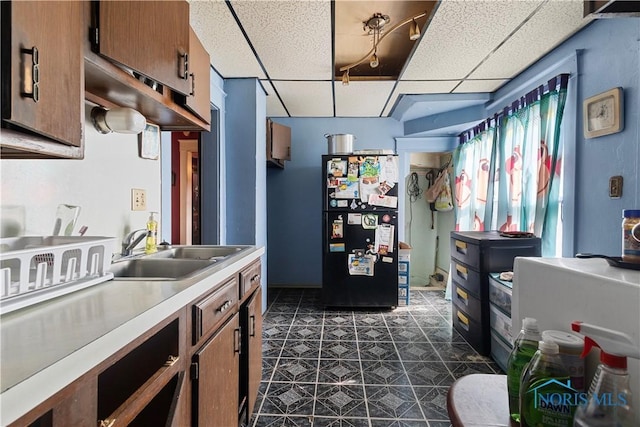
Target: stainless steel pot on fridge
[{"x": 340, "y": 143}]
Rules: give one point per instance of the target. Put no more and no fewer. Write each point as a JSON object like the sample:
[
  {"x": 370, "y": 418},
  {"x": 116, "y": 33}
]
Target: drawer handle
[
  {"x": 255, "y": 278},
  {"x": 236, "y": 341},
  {"x": 461, "y": 247},
  {"x": 183, "y": 72},
  {"x": 462, "y": 295},
  {"x": 462, "y": 271},
  {"x": 253, "y": 326},
  {"x": 224, "y": 306},
  {"x": 171, "y": 360},
  {"x": 193, "y": 84},
  {"x": 464, "y": 320},
  {"x": 34, "y": 91}
]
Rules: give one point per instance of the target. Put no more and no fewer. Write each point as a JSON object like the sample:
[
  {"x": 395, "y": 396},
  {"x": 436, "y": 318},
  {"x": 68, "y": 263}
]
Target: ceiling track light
[
  {"x": 414, "y": 30},
  {"x": 375, "y": 25},
  {"x": 345, "y": 78},
  {"x": 374, "y": 62}
]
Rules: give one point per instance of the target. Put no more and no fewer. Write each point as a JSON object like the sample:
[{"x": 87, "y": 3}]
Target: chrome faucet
[{"x": 129, "y": 242}]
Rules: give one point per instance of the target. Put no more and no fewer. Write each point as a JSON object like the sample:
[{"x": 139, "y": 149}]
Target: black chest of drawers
[{"x": 475, "y": 254}]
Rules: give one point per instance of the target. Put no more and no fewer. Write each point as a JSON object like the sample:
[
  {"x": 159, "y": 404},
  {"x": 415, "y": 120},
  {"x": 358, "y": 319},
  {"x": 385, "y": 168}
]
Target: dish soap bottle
[
  {"x": 152, "y": 235},
  {"x": 544, "y": 384},
  {"x": 524, "y": 347},
  {"x": 609, "y": 399}
]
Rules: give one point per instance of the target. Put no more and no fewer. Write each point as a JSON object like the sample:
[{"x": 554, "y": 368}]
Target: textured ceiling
[{"x": 466, "y": 47}]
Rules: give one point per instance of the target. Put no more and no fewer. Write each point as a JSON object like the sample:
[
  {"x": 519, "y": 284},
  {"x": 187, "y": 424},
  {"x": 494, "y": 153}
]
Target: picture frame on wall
[
  {"x": 603, "y": 114},
  {"x": 149, "y": 142}
]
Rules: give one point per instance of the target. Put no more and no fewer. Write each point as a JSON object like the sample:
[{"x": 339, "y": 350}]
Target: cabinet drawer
[
  {"x": 250, "y": 277},
  {"x": 465, "y": 252},
  {"x": 500, "y": 293},
  {"x": 466, "y": 277},
  {"x": 471, "y": 330},
  {"x": 465, "y": 301},
  {"x": 500, "y": 258},
  {"x": 210, "y": 311}
]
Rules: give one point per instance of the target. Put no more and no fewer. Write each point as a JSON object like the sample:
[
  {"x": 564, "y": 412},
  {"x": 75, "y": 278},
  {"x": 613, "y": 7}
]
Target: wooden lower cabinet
[
  {"x": 251, "y": 372},
  {"x": 199, "y": 367},
  {"x": 214, "y": 367}
]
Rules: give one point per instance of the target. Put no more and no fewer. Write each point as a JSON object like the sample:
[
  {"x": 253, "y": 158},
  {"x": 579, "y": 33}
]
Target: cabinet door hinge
[{"x": 195, "y": 368}]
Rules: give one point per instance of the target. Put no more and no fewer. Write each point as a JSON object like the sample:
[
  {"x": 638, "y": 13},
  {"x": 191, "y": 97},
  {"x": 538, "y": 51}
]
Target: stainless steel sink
[
  {"x": 212, "y": 253},
  {"x": 157, "y": 268}
]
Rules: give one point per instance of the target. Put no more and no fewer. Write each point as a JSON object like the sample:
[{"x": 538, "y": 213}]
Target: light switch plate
[
  {"x": 615, "y": 187},
  {"x": 138, "y": 199}
]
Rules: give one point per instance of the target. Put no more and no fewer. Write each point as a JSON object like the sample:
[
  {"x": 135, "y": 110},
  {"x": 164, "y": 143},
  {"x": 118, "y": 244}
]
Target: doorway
[
  {"x": 185, "y": 188},
  {"x": 426, "y": 230}
]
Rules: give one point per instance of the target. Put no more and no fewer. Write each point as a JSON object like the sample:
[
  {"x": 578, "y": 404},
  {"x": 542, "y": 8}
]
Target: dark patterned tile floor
[{"x": 360, "y": 368}]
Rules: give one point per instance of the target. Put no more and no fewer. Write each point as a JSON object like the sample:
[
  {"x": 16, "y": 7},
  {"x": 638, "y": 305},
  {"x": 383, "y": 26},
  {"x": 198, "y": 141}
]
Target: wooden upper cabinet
[
  {"x": 278, "y": 143},
  {"x": 149, "y": 37},
  {"x": 199, "y": 98},
  {"x": 42, "y": 71}
]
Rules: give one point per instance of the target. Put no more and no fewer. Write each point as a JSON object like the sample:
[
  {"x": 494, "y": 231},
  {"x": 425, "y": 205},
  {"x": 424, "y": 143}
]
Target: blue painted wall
[
  {"x": 606, "y": 54},
  {"x": 245, "y": 166}
]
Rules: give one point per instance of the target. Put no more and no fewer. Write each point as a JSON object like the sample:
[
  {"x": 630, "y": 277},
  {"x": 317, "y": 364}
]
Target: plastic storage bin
[
  {"x": 500, "y": 351},
  {"x": 500, "y": 292},
  {"x": 500, "y": 323}
]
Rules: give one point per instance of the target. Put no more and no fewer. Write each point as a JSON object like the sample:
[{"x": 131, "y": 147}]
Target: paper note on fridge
[
  {"x": 385, "y": 201},
  {"x": 346, "y": 189},
  {"x": 384, "y": 239},
  {"x": 361, "y": 266}
]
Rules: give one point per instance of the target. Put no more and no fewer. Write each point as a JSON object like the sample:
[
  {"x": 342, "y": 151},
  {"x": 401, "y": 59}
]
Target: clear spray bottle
[{"x": 608, "y": 402}]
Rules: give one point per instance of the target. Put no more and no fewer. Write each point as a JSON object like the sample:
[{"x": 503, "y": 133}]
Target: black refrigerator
[{"x": 360, "y": 233}]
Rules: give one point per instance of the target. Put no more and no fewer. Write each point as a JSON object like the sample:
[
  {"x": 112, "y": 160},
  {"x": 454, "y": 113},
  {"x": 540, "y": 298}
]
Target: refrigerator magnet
[
  {"x": 354, "y": 219},
  {"x": 352, "y": 171},
  {"x": 342, "y": 203},
  {"x": 336, "y": 247},
  {"x": 369, "y": 221},
  {"x": 337, "y": 167},
  {"x": 385, "y": 186},
  {"x": 337, "y": 230},
  {"x": 387, "y": 259}
]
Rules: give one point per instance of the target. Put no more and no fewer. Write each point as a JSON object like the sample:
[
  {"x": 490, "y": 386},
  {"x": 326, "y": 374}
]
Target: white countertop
[{"x": 47, "y": 346}]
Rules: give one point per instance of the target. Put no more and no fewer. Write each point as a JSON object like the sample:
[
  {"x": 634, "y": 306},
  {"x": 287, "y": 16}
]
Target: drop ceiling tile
[
  {"x": 220, "y": 35},
  {"x": 418, "y": 87},
  {"x": 305, "y": 98},
  {"x": 274, "y": 106},
  {"x": 553, "y": 23},
  {"x": 362, "y": 98},
  {"x": 292, "y": 38},
  {"x": 461, "y": 34},
  {"x": 479, "y": 86}
]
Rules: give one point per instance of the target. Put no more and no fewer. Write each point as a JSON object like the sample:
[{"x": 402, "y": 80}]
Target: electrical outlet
[
  {"x": 138, "y": 199},
  {"x": 615, "y": 187}
]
